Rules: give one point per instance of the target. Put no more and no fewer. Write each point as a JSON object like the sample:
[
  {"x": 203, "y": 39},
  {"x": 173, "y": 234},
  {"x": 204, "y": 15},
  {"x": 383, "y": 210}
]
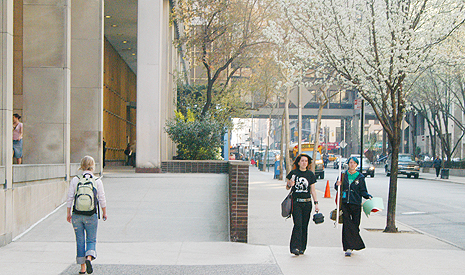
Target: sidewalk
[
  {"x": 141, "y": 238},
  {"x": 451, "y": 179}
]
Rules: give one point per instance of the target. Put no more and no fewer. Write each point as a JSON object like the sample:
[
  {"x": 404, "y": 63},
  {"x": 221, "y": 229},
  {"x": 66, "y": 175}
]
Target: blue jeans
[{"x": 85, "y": 228}]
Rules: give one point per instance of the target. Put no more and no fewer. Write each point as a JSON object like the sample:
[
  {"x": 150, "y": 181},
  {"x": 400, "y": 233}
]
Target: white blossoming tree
[
  {"x": 297, "y": 69},
  {"x": 375, "y": 46}
]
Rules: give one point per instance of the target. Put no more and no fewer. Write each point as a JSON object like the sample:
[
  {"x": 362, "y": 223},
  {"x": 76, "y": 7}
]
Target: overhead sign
[{"x": 331, "y": 145}]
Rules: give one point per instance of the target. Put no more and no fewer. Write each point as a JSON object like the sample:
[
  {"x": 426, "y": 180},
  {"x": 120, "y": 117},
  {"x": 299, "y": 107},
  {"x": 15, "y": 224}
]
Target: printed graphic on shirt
[{"x": 301, "y": 184}]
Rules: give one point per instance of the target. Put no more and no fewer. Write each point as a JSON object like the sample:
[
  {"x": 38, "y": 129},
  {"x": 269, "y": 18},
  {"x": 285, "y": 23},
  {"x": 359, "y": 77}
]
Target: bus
[{"x": 307, "y": 148}]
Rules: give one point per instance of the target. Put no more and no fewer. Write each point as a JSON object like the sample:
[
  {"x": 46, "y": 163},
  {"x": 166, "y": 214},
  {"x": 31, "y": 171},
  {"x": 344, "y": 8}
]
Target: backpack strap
[{"x": 94, "y": 190}]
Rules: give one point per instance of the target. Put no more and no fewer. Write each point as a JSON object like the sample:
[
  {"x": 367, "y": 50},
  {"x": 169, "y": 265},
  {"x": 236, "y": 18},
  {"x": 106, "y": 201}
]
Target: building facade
[{"x": 73, "y": 89}]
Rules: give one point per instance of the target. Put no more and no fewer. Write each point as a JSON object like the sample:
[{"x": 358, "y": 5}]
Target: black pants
[
  {"x": 301, "y": 216},
  {"x": 438, "y": 169},
  {"x": 351, "y": 214}
]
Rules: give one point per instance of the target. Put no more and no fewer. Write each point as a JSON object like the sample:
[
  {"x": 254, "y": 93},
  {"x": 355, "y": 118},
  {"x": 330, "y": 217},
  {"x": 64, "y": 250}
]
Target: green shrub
[{"x": 195, "y": 139}]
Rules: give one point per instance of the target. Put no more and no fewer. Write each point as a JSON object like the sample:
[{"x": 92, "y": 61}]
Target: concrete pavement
[
  {"x": 452, "y": 179},
  {"x": 150, "y": 238}
]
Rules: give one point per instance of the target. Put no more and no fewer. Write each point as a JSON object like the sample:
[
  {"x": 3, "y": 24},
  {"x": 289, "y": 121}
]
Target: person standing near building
[
  {"x": 302, "y": 181},
  {"x": 83, "y": 215},
  {"x": 437, "y": 163},
  {"x": 17, "y": 139},
  {"x": 353, "y": 188}
]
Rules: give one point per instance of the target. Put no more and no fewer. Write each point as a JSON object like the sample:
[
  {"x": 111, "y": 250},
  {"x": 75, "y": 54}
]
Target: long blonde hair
[{"x": 87, "y": 163}]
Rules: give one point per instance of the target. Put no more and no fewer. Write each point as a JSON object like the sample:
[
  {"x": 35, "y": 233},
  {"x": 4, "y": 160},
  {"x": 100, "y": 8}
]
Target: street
[{"x": 432, "y": 206}]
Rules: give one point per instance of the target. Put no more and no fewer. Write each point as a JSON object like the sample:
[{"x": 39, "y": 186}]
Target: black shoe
[
  {"x": 89, "y": 268},
  {"x": 301, "y": 252},
  {"x": 82, "y": 272},
  {"x": 295, "y": 251}
]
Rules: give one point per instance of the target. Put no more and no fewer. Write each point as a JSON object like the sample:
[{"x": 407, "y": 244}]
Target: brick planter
[
  {"x": 238, "y": 200},
  {"x": 238, "y": 188},
  {"x": 195, "y": 166}
]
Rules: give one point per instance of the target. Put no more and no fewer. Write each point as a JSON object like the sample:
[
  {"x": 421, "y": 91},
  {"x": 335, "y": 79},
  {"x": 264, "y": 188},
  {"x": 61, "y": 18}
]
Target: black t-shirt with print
[{"x": 303, "y": 180}]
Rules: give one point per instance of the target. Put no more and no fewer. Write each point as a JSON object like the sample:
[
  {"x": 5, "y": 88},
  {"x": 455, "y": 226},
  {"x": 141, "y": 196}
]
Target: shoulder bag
[{"x": 286, "y": 206}]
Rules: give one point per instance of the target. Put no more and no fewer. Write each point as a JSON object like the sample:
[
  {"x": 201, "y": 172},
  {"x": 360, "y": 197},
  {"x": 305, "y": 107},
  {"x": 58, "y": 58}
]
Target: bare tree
[
  {"x": 434, "y": 97},
  {"x": 221, "y": 35}
]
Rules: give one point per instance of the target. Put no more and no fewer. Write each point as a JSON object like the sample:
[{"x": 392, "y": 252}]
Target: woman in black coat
[
  {"x": 353, "y": 188},
  {"x": 437, "y": 163}
]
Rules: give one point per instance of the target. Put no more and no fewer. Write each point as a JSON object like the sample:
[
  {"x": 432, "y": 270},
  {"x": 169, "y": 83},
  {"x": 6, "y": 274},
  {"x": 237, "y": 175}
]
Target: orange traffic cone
[{"x": 327, "y": 191}]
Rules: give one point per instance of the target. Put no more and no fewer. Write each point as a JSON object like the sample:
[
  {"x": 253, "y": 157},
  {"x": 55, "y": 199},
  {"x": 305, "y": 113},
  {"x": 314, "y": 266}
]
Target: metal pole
[
  {"x": 338, "y": 199},
  {"x": 362, "y": 114},
  {"x": 402, "y": 136},
  {"x": 300, "y": 120}
]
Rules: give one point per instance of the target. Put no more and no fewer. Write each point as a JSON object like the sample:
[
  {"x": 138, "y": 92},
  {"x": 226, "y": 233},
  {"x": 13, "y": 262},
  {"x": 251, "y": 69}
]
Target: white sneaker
[{"x": 348, "y": 252}]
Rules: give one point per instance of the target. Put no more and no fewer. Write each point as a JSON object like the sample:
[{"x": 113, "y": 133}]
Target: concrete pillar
[
  {"x": 6, "y": 124},
  {"x": 154, "y": 82},
  {"x": 46, "y": 82},
  {"x": 6, "y": 86},
  {"x": 87, "y": 80}
]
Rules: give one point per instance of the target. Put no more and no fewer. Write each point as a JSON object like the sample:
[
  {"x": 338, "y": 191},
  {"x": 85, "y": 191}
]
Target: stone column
[
  {"x": 46, "y": 90},
  {"x": 86, "y": 80},
  {"x": 154, "y": 83},
  {"x": 6, "y": 86},
  {"x": 6, "y": 115}
]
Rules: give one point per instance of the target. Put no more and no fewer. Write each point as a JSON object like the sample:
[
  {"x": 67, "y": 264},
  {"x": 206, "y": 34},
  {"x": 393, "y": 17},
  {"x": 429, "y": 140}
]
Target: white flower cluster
[{"x": 374, "y": 45}]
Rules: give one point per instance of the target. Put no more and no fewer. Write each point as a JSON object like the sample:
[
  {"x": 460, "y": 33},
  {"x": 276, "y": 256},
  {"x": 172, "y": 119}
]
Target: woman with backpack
[{"x": 85, "y": 195}]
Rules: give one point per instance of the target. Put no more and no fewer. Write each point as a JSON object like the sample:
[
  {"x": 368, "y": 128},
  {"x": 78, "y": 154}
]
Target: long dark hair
[{"x": 297, "y": 160}]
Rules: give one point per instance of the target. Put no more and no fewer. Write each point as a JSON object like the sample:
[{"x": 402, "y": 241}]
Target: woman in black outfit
[
  {"x": 353, "y": 188},
  {"x": 301, "y": 180}
]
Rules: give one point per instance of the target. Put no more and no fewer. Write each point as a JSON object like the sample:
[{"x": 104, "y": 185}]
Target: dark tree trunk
[
  {"x": 208, "y": 102},
  {"x": 392, "y": 197}
]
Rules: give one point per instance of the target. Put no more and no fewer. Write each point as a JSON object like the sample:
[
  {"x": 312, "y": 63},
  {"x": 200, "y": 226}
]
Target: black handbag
[
  {"x": 286, "y": 206},
  {"x": 318, "y": 218}
]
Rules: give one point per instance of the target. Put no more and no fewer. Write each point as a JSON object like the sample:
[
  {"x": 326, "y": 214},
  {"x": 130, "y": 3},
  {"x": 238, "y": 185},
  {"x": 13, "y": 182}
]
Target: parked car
[
  {"x": 407, "y": 166},
  {"x": 272, "y": 157},
  {"x": 336, "y": 163},
  {"x": 368, "y": 169},
  {"x": 319, "y": 165},
  {"x": 332, "y": 157}
]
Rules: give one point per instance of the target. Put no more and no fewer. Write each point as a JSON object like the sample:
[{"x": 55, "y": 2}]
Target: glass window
[
  {"x": 336, "y": 96},
  {"x": 345, "y": 96},
  {"x": 313, "y": 98},
  {"x": 406, "y": 158}
]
